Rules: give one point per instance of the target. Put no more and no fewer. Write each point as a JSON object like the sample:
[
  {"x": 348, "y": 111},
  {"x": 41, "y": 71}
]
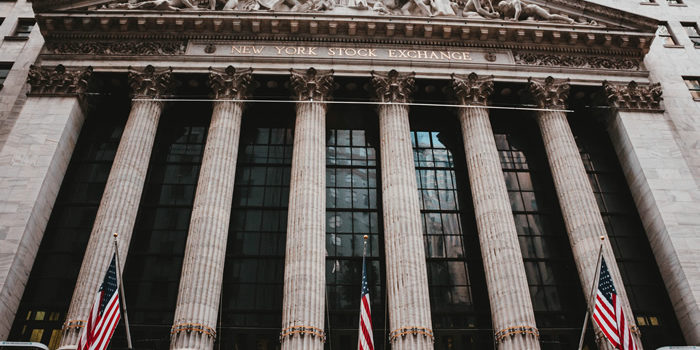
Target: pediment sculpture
[{"x": 514, "y": 10}]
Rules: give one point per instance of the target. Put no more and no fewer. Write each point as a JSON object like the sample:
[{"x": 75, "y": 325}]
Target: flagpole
[
  {"x": 590, "y": 297},
  {"x": 121, "y": 289}
]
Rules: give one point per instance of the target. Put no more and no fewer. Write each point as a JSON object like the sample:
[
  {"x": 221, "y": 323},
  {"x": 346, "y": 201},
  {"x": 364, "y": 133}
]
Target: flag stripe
[
  {"x": 608, "y": 313},
  {"x": 104, "y": 315}
]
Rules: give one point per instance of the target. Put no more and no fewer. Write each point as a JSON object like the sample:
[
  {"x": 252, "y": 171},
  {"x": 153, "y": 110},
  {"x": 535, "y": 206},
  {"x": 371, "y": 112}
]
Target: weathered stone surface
[
  {"x": 512, "y": 314},
  {"x": 303, "y": 305},
  {"x": 120, "y": 201},
  {"x": 199, "y": 295},
  {"x": 407, "y": 279}
]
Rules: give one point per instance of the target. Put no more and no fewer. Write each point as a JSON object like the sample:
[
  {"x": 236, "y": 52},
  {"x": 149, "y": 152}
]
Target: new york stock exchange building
[{"x": 241, "y": 150}]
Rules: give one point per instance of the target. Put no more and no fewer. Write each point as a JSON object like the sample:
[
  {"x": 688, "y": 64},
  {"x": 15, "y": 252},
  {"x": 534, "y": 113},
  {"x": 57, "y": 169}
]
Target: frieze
[
  {"x": 633, "y": 96},
  {"x": 576, "y": 61},
  {"x": 141, "y": 48},
  {"x": 58, "y": 81}
]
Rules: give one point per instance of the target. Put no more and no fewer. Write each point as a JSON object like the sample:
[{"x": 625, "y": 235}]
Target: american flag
[
  {"x": 608, "y": 313},
  {"x": 365, "y": 338},
  {"x": 104, "y": 314}
]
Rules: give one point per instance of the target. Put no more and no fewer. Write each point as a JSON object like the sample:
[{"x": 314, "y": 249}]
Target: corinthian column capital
[
  {"x": 471, "y": 89},
  {"x": 311, "y": 84},
  {"x": 151, "y": 83},
  {"x": 549, "y": 92},
  {"x": 229, "y": 83},
  {"x": 634, "y": 97},
  {"x": 393, "y": 86},
  {"x": 58, "y": 81}
]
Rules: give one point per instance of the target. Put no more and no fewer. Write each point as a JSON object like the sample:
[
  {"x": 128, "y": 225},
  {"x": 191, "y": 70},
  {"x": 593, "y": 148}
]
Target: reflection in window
[
  {"x": 549, "y": 266},
  {"x": 645, "y": 289},
  {"x": 352, "y": 211},
  {"x": 458, "y": 301},
  {"x": 665, "y": 34},
  {"x": 154, "y": 263},
  {"x": 254, "y": 270},
  {"x": 49, "y": 289}
]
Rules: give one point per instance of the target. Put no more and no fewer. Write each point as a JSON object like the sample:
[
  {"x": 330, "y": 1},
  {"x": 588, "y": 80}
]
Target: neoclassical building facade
[{"x": 242, "y": 150}]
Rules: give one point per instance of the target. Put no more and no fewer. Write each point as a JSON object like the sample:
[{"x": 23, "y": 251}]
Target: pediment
[{"x": 571, "y": 12}]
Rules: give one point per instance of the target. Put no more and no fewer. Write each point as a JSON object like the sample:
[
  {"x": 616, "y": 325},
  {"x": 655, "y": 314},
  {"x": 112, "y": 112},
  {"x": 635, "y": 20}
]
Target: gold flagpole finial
[
  {"x": 365, "y": 237},
  {"x": 115, "y": 235},
  {"x": 602, "y": 238}
]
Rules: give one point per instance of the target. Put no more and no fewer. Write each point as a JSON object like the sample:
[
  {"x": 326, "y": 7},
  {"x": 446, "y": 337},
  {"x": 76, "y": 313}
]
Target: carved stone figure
[
  {"x": 514, "y": 9},
  {"x": 442, "y": 8},
  {"x": 478, "y": 8},
  {"x": 358, "y": 4},
  {"x": 173, "y": 5},
  {"x": 416, "y": 8}
]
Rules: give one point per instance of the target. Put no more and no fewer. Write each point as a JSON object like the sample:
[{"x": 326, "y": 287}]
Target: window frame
[
  {"x": 694, "y": 92},
  {"x": 20, "y": 36},
  {"x": 674, "y": 41},
  {"x": 694, "y": 38},
  {"x": 4, "y": 65}
]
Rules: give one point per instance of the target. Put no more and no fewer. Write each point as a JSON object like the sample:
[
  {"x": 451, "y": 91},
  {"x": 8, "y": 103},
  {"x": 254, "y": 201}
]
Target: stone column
[
  {"x": 407, "y": 278},
  {"x": 198, "y": 299},
  {"x": 511, "y": 307},
  {"x": 582, "y": 217},
  {"x": 305, "y": 258},
  {"x": 121, "y": 197},
  {"x": 663, "y": 189},
  {"x": 33, "y": 160}
]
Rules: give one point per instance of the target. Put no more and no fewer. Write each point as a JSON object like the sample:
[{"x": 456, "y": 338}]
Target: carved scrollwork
[
  {"x": 472, "y": 90},
  {"x": 565, "y": 60},
  {"x": 58, "y": 81},
  {"x": 151, "y": 83},
  {"x": 230, "y": 84},
  {"x": 634, "y": 97},
  {"x": 311, "y": 84},
  {"x": 549, "y": 92},
  {"x": 141, "y": 48},
  {"x": 393, "y": 86}
]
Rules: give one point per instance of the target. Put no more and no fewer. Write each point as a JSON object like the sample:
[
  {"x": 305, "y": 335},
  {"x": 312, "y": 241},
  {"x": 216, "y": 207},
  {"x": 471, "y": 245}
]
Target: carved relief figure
[
  {"x": 478, "y": 8},
  {"x": 416, "y": 7},
  {"x": 358, "y": 4},
  {"x": 514, "y": 9},
  {"x": 172, "y": 5},
  {"x": 442, "y": 8}
]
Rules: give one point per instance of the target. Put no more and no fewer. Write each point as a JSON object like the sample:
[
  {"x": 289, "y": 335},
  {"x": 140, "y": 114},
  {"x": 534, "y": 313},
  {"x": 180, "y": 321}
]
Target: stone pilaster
[
  {"x": 582, "y": 217},
  {"x": 120, "y": 200},
  {"x": 199, "y": 296},
  {"x": 33, "y": 161},
  {"x": 305, "y": 258},
  {"x": 407, "y": 278},
  {"x": 664, "y": 192},
  {"x": 511, "y": 307}
]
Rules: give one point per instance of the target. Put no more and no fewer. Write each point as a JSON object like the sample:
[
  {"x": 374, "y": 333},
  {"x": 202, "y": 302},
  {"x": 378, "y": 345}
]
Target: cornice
[{"x": 207, "y": 25}]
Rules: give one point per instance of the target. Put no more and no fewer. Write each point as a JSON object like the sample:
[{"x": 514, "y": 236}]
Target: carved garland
[
  {"x": 117, "y": 47},
  {"x": 563, "y": 60}
]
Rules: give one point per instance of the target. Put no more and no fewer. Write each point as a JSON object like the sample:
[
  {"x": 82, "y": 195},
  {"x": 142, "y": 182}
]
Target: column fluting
[
  {"x": 407, "y": 278},
  {"x": 512, "y": 314},
  {"x": 199, "y": 295},
  {"x": 121, "y": 197},
  {"x": 305, "y": 265},
  {"x": 584, "y": 223}
]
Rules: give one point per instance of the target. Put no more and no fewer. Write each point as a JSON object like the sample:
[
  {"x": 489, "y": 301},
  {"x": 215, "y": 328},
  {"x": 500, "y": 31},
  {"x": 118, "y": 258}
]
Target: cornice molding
[
  {"x": 151, "y": 83},
  {"x": 312, "y": 85},
  {"x": 634, "y": 97},
  {"x": 58, "y": 81},
  {"x": 230, "y": 84},
  {"x": 472, "y": 89},
  {"x": 393, "y": 86},
  {"x": 549, "y": 92}
]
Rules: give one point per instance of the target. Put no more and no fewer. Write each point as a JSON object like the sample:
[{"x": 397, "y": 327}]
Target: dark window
[
  {"x": 458, "y": 293},
  {"x": 664, "y": 32},
  {"x": 555, "y": 289},
  {"x": 693, "y": 33},
  {"x": 254, "y": 268},
  {"x": 153, "y": 267},
  {"x": 693, "y": 84},
  {"x": 49, "y": 290},
  {"x": 4, "y": 72},
  {"x": 353, "y": 210},
  {"x": 675, "y": 2},
  {"x": 650, "y": 303},
  {"x": 24, "y": 27}
]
